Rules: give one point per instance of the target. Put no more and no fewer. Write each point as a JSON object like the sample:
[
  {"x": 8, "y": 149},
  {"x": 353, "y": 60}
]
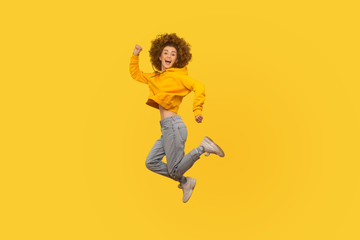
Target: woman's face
[{"x": 168, "y": 57}]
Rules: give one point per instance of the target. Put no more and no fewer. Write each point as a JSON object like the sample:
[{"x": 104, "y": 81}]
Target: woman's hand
[
  {"x": 137, "y": 50},
  {"x": 199, "y": 118}
]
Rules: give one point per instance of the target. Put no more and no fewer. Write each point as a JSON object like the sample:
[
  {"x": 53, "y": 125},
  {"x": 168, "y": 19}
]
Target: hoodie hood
[
  {"x": 179, "y": 70},
  {"x": 183, "y": 71}
]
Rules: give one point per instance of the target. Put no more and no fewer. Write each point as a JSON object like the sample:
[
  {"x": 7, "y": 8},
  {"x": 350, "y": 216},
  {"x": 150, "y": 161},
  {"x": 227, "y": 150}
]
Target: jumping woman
[{"x": 168, "y": 85}]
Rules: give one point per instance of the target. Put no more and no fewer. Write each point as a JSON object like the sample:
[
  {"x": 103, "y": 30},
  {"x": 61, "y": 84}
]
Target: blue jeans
[{"x": 172, "y": 144}]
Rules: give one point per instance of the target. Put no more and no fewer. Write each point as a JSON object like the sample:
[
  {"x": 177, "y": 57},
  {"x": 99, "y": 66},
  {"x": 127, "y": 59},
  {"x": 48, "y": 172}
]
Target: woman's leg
[
  {"x": 174, "y": 137},
  {"x": 154, "y": 159}
]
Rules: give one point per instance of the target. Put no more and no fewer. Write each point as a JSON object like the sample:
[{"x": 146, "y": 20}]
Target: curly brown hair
[{"x": 163, "y": 40}]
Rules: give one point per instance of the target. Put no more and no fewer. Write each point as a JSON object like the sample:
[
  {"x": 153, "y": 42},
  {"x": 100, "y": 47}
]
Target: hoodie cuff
[{"x": 197, "y": 112}]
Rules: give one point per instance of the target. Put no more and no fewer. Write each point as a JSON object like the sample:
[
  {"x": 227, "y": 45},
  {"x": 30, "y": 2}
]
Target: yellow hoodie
[{"x": 168, "y": 88}]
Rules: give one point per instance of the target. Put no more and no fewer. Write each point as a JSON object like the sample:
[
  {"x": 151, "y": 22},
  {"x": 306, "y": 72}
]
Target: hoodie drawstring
[{"x": 156, "y": 71}]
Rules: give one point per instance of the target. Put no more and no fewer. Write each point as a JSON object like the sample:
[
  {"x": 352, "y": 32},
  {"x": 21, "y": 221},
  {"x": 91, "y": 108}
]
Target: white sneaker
[
  {"x": 211, "y": 147},
  {"x": 188, "y": 188}
]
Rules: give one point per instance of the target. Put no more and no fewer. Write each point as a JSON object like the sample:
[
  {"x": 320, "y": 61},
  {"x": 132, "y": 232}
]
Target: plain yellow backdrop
[{"x": 282, "y": 87}]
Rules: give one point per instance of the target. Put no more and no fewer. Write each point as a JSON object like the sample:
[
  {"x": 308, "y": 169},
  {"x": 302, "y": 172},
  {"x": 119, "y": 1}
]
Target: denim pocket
[
  {"x": 166, "y": 126},
  {"x": 182, "y": 132}
]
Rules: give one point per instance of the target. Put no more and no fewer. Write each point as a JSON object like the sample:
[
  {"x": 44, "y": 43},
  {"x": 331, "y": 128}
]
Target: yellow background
[{"x": 282, "y": 85}]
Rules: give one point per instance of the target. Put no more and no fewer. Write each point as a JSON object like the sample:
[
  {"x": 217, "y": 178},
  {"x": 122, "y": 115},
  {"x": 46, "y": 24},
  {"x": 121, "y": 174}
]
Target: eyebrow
[{"x": 168, "y": 50}]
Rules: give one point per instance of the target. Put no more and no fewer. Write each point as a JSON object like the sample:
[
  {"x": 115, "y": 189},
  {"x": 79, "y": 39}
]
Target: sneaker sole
[{"x": 222, "y": 154}]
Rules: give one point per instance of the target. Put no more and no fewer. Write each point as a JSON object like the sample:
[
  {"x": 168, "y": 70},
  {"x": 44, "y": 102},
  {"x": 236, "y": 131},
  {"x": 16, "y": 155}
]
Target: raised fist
[{"x": 137, "y": 50}]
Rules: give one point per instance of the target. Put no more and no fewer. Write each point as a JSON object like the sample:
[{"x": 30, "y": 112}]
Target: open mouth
[{"x": 167, "y": 62}]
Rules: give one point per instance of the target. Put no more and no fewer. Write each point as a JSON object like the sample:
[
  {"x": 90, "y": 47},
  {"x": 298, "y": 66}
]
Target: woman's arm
[
  {"x": 199, "y": 89},
  {"x": 134, "y": 67}
]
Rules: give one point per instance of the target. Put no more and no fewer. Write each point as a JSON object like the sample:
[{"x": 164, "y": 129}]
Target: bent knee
[{"x": 149, "y": 164}]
